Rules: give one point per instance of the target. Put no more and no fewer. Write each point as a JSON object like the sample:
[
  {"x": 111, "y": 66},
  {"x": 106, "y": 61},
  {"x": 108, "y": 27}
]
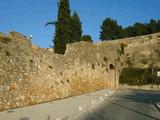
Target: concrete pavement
[{"x": 66, "y": 109}]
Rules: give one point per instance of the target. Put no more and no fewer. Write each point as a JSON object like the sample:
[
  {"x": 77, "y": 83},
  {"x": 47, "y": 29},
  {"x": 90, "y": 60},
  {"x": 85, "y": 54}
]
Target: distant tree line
[
  {"x": 68, "y": 29},
  {"x": 110, "y": 30}
]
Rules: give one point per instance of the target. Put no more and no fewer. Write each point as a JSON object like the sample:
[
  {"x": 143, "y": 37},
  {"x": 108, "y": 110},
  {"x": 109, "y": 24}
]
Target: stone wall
[{"x": 31, "y": 75}]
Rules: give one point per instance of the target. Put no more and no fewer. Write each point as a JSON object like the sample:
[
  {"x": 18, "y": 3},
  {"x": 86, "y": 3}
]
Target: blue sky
[{"x": 30, "y": 16}]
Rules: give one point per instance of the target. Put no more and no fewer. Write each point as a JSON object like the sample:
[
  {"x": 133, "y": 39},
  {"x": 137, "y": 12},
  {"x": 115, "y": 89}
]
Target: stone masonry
[{"x": 31, "y": 75}]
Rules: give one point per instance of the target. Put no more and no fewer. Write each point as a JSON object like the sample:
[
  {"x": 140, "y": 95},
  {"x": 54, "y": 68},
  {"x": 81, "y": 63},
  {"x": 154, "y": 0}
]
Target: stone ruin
[{"x": 31, "y": 75}]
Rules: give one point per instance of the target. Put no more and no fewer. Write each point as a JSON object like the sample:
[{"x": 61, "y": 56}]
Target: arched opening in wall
[{"x": 111, "y": 66}]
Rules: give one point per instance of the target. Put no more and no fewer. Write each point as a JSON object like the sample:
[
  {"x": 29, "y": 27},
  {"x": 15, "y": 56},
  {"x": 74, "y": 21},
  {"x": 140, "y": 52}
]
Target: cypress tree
[
  {"x": 76, "y": 28},
  {"x": 62, "y": 27}
]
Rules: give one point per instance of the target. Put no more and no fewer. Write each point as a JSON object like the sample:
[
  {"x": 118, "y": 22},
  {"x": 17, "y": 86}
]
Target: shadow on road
[
  {"x": 148, "y": 97},
  {"x": 134, "y": 110},
  {"x": 124, "y": 104}
]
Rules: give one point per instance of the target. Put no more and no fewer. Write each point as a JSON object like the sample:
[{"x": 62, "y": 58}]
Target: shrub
[
  {"x": 137, "y": 76},
  {"x": 87, "y": 38},
  {"x": 131, "y": 76}
]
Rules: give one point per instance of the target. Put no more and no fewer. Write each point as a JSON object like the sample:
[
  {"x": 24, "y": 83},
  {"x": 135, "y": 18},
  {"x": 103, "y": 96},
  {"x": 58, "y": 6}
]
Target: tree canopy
[
  {"x": 62, "y": 27},
  {"x": 68, "y": 29},
  {"x": 76, "y": 27},
  {"x": 110, "y": 30}
]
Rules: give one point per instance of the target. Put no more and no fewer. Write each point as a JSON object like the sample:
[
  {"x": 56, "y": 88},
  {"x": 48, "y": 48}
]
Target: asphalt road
[{"x": 127, "y": 105}]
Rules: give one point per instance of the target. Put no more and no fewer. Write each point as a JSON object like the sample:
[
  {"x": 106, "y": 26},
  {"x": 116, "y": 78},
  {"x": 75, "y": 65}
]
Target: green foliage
[
  {"x": 136, "y": 30},
  {"x": 110, "y": 30},
  {"x": 139, "y": 29},
  {"x": 87, "y": 38},
  {"x": 152, "y": 26},
  {"x": 76, "y": 28},
  {"x": 62, "y": 27},
  {"x": 50, "y": 23},
  {"x": 137, "y": 76},
  {"x": 68, "y": 28},
  {"x": 158, "y": 26}
]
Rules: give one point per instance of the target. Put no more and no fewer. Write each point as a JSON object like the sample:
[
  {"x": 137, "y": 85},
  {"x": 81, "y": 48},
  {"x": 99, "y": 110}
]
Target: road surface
[
  {"x": 127, "y": 105},
  {"x": 65, "y": 109}
]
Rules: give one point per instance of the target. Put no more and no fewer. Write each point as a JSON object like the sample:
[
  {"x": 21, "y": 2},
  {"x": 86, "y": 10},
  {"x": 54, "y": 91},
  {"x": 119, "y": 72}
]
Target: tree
[
  {"x": 76, "y": 28},
  {"x": 68, "y": 28},
  {"x": 129, "y": 31},
  {"x": 110, "y": 30},
  {"x": 63, "y": 28},
  {"x": 152, "y": 26},
  {"x": 87, "y": 38},
  {"x": 62, "y": 34},
  {"x": 137, "y": 29},
  {"x": 158, "y": 26}
]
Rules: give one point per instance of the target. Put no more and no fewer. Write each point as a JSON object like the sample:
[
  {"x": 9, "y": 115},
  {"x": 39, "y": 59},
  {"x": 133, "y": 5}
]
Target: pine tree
[
  {"x": 152, "y": 26},
  {"x": 129, "y": 31},
  {"x": 110, "y": 30},
  {"x": 137, "y": 29},
  {"x": 76, "y": 28}
]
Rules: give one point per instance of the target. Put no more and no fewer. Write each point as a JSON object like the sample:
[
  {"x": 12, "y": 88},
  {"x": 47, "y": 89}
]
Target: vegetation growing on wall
[{"x": 87, "y": 38}]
